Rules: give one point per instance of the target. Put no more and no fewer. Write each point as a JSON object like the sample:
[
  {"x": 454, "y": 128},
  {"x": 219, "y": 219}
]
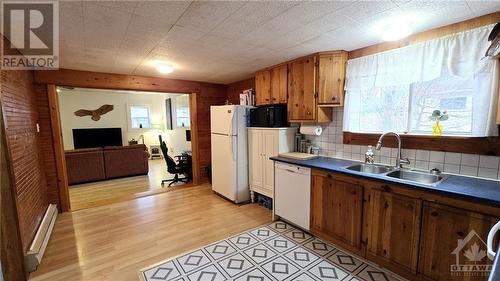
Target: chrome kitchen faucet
[{"x": 399, "y": 160}]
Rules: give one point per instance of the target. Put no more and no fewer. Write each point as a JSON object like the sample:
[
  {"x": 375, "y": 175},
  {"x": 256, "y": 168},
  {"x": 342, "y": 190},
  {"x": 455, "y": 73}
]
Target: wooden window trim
[{"x": 473, "y": 145}]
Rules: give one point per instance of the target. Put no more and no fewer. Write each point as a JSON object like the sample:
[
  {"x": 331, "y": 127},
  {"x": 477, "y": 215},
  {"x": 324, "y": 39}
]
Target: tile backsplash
[{"x": 331, "y": 144}]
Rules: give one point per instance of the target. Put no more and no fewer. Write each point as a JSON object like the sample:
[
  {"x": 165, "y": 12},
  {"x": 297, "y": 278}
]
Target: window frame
[
  {"x": 129, "y": 113},
  {"x": 458, "y": 144},
  {"x": 188, "y": 125}
]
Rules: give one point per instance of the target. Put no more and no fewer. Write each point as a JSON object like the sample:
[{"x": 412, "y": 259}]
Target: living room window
[
  {"x": 140, "y": 117},
  {"x": 182, "y": 111}
]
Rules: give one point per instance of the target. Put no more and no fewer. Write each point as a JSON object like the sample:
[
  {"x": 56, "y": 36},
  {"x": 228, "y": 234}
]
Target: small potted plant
[{"x": 437, "y": 116}]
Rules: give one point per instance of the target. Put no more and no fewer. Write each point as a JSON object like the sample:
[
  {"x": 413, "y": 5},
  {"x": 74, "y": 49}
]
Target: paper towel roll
[{"x": 311, "y": 130}]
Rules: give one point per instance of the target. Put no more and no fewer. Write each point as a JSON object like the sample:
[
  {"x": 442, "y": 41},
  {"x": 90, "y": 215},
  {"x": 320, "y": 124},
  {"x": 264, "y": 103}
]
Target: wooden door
[
  {"x": 262, "y": 87},
  {"x": 255, "y": 158},
  {"x": 331, "y": 76},
  {"x": 443, "y": 229},
  {"x": 394, "y": 229},
  {"x": 336, "y": 210},
  {"x": 302, "y": 90},
  {"x": 279, "y": 78},
  {"x": 269, "y": 149}
]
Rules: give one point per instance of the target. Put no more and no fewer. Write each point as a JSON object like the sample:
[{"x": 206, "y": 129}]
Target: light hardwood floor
[
  {"x": 111, "y": 243},
  {"x": 101, "y": 193}
]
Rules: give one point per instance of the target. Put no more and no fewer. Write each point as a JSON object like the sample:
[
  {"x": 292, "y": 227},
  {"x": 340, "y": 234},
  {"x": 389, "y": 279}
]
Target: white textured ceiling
[{"x": 224, "y": 42}]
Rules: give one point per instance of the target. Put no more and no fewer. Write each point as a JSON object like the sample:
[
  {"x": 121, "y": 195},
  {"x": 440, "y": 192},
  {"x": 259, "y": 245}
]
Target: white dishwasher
[{"x": 292, "y": 193}]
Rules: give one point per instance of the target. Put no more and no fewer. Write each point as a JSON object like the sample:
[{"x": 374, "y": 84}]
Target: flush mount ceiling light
[
  {"x": 163, "y": 67},
  {"x": 396, "y": 31},
  {"x": 396, "y": 28}
]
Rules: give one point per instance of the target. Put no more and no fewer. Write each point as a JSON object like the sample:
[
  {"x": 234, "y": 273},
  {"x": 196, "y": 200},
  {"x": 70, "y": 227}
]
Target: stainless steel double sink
[{"x": 406, "y": 175}]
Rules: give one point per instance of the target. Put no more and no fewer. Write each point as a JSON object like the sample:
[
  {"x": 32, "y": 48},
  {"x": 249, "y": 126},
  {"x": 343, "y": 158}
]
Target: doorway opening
[{"x": 112, "y": 148}]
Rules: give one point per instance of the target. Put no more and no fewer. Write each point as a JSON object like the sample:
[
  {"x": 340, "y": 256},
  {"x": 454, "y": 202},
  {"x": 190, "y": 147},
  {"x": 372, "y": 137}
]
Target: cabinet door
[
  {"x": 255, "y": 157},
  {"x": 269, "y": 149},
  {"x": 262, "y": 87},
  {"x": 279, "y": 84},
  {"x": 394, "y": 229},
  {"x": 302, "y": 90},
  {"x": 336, "y": 211},
  {"x": 447, "y": 238},
  {"x": 331, "y": 75}
]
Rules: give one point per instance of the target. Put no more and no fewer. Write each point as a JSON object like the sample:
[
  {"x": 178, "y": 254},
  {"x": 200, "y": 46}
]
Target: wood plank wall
[
  {"x": 20, "y": 113},
  {"x": 46, "y": 143},
  {"x": 11, "y": 253},
  {"x": 234, "y": 89}
]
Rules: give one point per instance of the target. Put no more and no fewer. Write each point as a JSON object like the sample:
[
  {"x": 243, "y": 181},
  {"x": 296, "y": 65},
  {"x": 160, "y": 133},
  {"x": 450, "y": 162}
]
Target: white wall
[{"x": 73, "y": 100}]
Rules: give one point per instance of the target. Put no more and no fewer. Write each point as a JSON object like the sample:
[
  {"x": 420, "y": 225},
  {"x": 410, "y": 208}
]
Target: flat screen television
[{"x": 88, "y": 138}]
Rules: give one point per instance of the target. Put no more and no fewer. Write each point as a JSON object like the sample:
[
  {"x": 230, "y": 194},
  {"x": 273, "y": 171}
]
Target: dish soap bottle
[{"x": 369, "y": 155}]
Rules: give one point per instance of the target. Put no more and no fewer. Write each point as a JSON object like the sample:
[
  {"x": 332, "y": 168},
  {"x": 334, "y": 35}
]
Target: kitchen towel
[{"x": 311, "y": 130}]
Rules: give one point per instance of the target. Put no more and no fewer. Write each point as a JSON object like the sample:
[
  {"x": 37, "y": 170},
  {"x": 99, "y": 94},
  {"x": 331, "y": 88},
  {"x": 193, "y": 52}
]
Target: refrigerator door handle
[
  {"x": 232, "y": 148},
  {"x": 231, "y": 120},
  {"x": 491, "y": 235}
]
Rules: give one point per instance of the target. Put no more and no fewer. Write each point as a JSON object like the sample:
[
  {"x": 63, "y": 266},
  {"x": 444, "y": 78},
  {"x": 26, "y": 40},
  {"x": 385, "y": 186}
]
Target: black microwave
[{"x": 269, "y": 116}]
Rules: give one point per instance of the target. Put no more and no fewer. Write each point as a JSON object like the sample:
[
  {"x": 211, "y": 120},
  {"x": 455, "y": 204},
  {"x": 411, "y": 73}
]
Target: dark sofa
[{"x": 94, "y": 164}]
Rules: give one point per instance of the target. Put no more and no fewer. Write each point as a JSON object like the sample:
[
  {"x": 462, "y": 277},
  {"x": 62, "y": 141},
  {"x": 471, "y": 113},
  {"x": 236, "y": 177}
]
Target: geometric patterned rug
[{"x": 274, "y": 252}]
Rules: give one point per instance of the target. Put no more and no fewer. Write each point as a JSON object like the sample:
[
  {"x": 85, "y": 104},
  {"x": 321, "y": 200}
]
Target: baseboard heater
[{"x": 35, "y": 253}]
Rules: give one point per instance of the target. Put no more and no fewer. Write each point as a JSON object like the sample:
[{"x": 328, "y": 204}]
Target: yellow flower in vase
[{"x": 437, "y": 116}]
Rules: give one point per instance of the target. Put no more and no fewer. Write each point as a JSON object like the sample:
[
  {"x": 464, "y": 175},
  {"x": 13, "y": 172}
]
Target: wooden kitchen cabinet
[
  {"x": 264, "y": 143},
  {"x": 393, "y": 229},
  {"x": 279, "y": 85},
  {"x": 336, "y": 210},
  {"x": 331, "y": 76},
  {"x": 302, "y": 90},
  {"x": 262, "y": 87},
  {"x": 443, "y": 228}
]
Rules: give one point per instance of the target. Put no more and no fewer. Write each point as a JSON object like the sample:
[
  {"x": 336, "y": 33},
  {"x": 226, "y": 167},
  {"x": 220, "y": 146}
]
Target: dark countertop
[{"x": 474, "y": 189}]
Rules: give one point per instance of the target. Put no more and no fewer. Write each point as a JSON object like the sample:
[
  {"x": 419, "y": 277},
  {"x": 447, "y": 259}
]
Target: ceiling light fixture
[
  {"x": 397, "y": 28},
  {"x": 396, "y": 31},
  {"x": 163, "y": 67}
]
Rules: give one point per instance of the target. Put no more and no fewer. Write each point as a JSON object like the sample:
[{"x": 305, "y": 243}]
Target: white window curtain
[{"x": 397, "y": 90}]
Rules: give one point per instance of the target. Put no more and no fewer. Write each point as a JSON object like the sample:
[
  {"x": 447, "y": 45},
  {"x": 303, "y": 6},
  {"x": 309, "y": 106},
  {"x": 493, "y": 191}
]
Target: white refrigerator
[{"x": 229, "y": 151}]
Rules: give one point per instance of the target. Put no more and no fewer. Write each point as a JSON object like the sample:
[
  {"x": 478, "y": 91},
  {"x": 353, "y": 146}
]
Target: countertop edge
[{"x": 427, "y": 188}]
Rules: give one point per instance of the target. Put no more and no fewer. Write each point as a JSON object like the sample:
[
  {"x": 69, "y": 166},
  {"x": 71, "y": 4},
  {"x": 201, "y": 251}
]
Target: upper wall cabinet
[
  {"x": 271, "y": 85},
  {"x": 262, "y": 87},
  {"x": 310, "y": 86},
  {"x": 331, "y": 74},
  {"x": 302, "y": 90},
  {"x": 279, "y": 78}
]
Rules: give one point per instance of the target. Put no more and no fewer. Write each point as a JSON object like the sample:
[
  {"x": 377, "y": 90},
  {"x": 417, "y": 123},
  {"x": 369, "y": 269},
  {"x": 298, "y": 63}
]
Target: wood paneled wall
[
  {"x": 11, "y": 253},
  {"x": 46, "y": 143},
  {"x": 207, "y": 94},
  {"x": 234, "y": 89},
  {"x": 20, "y": 113}
]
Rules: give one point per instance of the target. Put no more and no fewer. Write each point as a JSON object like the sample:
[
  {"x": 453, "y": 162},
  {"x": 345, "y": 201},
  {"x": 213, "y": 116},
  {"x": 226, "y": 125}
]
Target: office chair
[{"x": 182, "y": 167}]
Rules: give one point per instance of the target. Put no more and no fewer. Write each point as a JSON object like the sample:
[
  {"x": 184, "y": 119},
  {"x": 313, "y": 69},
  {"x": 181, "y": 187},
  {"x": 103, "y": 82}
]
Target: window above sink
[{"x": 400, "y": 89}]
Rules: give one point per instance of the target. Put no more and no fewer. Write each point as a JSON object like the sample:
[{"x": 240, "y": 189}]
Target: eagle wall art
[{"x": 96, "y": 114}]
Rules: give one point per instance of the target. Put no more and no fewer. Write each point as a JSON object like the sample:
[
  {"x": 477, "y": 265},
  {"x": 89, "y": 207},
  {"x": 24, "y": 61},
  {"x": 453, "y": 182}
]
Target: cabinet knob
[
  {"x": 434, "y": 214},
  {"x": 333, "y": 98},
  {"x": 267, "y": 99},
  {"x": 339, "y": 80},
  {"x": 274, "y": 98},
  {"x": 460, "y": 234}
]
